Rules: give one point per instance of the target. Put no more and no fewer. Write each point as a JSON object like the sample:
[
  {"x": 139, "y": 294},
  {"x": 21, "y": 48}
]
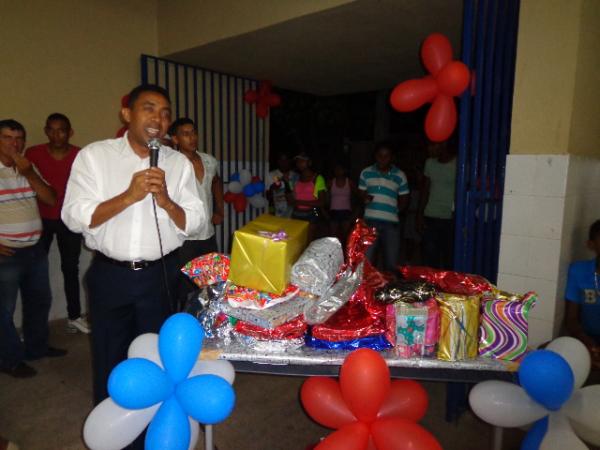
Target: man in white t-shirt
[{"x": 184, "y": 135}]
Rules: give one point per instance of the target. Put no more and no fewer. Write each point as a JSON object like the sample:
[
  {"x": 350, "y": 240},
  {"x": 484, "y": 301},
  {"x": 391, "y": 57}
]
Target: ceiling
[{"x": 362, "y": 46}]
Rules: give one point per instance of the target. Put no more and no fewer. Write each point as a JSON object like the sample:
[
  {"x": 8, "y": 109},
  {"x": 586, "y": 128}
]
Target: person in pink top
[
  {"x": 308, "y": 197},
  {"x": 54, "y": 160},
  {"x": 341, "y": 190}
]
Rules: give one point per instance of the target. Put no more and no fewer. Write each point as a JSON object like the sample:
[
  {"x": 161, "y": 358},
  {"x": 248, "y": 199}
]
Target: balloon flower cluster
[
  {"x": 264, "y": 98},
  {"x": 368, "y": 410},
  {"x": 243, "y": 188},
  {"x": 446, "y": 79},
  {"x": 162, "y": 385},
  {"x": 551, "y": 397}
]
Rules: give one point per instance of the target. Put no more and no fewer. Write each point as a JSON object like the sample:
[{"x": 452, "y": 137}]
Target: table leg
[
  {"x": 497, "y": 438},
  {"x": 208, "y": 437}
]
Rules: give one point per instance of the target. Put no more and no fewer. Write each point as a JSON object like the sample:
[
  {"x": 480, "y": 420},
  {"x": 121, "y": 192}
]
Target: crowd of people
[{"x": 144, "y": 222}]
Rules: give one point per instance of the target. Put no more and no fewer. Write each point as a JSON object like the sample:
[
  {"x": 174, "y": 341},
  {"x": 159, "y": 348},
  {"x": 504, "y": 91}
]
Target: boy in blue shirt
[{"x": 583, "y": 297}]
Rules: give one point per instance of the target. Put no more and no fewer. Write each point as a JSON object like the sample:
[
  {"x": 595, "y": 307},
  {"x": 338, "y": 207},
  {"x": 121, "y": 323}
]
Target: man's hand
[
  {"x": 217, "y": 218},
  {"x": 138, "y": 187},
  {"x": 157, "y": 185},
  {"x": 23, "y": 165},
  {"x": 6, "y": 251}
]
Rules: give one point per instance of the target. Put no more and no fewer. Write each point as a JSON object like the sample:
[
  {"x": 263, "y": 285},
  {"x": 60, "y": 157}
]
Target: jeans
[
  {"x": 388, "y": 241},
  {"x": 27, "y": 271},
  {"x": 69, "y": 246},
  {"x": 438, "y": 243}
]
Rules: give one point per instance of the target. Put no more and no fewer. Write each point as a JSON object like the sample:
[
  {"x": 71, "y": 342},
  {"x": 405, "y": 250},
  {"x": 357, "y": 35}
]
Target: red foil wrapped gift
[
  {"x": 293, "y": 329},
  {"x": 362, "y": 316},
  {"x": 447, "y": 281}
]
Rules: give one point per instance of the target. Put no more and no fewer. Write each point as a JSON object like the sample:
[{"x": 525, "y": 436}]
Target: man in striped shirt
[
  {"x": 23, "y": 260},
  {"x": 384, "y": 189}
]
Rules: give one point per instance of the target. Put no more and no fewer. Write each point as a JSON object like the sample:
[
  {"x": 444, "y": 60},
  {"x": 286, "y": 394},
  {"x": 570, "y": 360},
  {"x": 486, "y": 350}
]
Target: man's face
[
  {"x": 11, "y": 142},
  {"x": 594, "y": 245},
  {"x": 58, "y": 133},
  {"x": 148, "y": 118},
  {"x": 383, "y": 158},
  {"x": 186, "y": 138}
]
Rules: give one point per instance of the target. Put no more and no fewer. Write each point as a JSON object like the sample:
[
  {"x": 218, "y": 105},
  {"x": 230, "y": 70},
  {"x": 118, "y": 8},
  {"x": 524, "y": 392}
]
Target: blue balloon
[
  {"x": 547, "y": 378},
  {"x": 234, "y": 177},
  {"x": 259, "y": 186},
  {"x": 179, "y": 344},
  {"x": 207, "y": 398},
  {"x": 138, "y": 383},
  {"x": 169, "y": 429},
  {"x": 535, "y": 435},
  {"x": 249, "y": 190}
]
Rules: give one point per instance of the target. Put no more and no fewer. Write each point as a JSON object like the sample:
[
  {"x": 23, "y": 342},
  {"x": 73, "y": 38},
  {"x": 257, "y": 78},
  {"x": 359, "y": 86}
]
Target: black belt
[{"x": 139, "y": 264}]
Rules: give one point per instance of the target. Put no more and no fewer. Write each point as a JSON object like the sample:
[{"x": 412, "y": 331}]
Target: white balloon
[
  {"x": 110, "y": 427},
  {"x": 560, "y": 435},
  {"x": 194, "y": 433},
  {"x": 576, "y": 354},
  {"x": 245, "y": 177},
  {"x": 258, "y": 201},
  {"x": 219, "y": 367},
  {"x": 235, "y": 187},
  {"x": 504, "y": 404},
  {"x": 145, "y": 346},
  {"x": 583, "y": 410}
]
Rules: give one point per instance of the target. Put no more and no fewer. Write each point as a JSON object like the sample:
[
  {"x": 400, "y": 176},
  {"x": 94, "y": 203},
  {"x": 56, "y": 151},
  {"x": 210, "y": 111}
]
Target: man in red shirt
[{"x": 54, "y": 161}]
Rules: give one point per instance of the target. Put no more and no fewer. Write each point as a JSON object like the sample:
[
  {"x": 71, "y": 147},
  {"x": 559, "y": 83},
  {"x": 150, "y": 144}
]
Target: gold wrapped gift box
[{"x": 260, "y": 258}]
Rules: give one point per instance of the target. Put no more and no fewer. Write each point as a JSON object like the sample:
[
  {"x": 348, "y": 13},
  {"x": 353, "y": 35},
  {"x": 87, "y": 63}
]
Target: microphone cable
[{"x": 154, "y": 146}]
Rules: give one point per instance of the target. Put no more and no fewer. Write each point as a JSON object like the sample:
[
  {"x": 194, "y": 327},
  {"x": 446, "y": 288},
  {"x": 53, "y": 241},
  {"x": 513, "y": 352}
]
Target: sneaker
[
  {"x": 51, "y": 352},
  {"x": 79, "y": 324},
  {"x": 21, "y": 370}
]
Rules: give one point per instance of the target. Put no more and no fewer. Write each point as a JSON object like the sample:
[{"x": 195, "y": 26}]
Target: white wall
[{"x": 549, "y": 203}]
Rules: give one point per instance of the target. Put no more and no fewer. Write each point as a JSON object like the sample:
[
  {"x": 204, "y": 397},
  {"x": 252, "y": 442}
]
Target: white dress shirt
[
  {"x": 103, "y": 170},
  {"x": 205, "y": 190}
]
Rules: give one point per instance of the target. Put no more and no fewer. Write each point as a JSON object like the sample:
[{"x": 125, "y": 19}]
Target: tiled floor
[{"x": 47, "y": 412}]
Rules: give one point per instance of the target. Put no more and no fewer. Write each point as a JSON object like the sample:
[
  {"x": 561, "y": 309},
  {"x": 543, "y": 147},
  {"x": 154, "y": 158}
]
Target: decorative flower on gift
[
  {"x": 551, "y": 397},
  {"x": 410, "y": 327}
]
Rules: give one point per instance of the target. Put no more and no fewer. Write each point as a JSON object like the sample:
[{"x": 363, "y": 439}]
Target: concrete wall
[{"x": 186, "y": 24}]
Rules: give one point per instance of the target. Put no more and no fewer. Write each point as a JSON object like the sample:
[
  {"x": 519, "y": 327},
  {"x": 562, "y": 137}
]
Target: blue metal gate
[
  {"x": 228, "y": 127},
  {"x": 489, "y": 49}
]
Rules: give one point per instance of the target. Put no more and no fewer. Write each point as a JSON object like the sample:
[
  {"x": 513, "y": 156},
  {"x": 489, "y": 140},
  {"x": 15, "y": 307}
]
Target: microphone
[{"x": 154, "y": 146}]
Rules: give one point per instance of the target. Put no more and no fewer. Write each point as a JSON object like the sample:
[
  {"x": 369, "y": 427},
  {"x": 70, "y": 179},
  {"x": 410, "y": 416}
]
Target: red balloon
[
  {"x": 229, "y": 197},
  {"x": 371, "y": 444},
  {"x": 453, "y": 79},
  {"x": 407, "y": 399},
  {"x": 255, "y": 179},
  {"x": 262, "y": 110},
  {"x": 441, "y": 119},
  {"x": 436, "y": 52},
  {"x": 323, "y": 401},
  {"x": 412, "y": 94},
  {"x": 354, "y": 436},
  {"x": 365, "y": 383},
  {"x": 250, "y": 96},
  {"x": 240, "y": 203},
  {"x": 264, "y": 88},
  {"x": 402, "y": 434},
  {"x": 273, "y": 100}
]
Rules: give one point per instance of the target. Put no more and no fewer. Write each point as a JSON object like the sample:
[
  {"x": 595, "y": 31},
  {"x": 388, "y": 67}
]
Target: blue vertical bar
[
  {"x": 166, "y": 86},
  {"x": 222, "y": 111},
  {"x": 155, "y": 70},
  {"x": 228, "y": 231},
  {"x": 463, "y": 144},
  {"x": 177, "y": 89},
  {"x": 186, "y": 92},
  {"x": 238, "y": 135},
  {"x": 195, "y": 72},
  {"x": 204, "y": 102}
]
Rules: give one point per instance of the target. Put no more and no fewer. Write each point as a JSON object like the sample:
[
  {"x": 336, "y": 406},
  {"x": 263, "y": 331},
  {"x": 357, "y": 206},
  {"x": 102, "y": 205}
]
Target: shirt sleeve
[
  {"x": 82, "y": 196},
  {"x": 403, "y": 188},
  {"x": 189, "y": 199},
  {"x": 573, "y": 289},
  {"x": 319, "y": 185},
  {"x": 362, "y": 181}
]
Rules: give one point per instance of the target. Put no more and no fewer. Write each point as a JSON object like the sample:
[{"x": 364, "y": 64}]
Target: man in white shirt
[{"x": 109, "y": 200}]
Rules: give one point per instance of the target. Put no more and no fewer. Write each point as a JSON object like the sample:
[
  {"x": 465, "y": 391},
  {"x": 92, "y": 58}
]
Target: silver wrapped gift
[{"x": 317, "y": 267}]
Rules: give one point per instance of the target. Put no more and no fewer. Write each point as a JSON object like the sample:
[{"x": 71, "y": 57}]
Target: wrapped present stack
[{"x": 276, "y": 293}]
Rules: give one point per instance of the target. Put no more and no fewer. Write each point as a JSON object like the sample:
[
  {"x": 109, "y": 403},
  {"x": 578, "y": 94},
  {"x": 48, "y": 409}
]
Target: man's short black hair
[
  {"x": 594, "y": 230},
  {"x": 179, "y": 123},
  {"x": 139, "y": 90},
  {"x": 58, "y": 116},
  {"x": 12, "y": 125}
]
